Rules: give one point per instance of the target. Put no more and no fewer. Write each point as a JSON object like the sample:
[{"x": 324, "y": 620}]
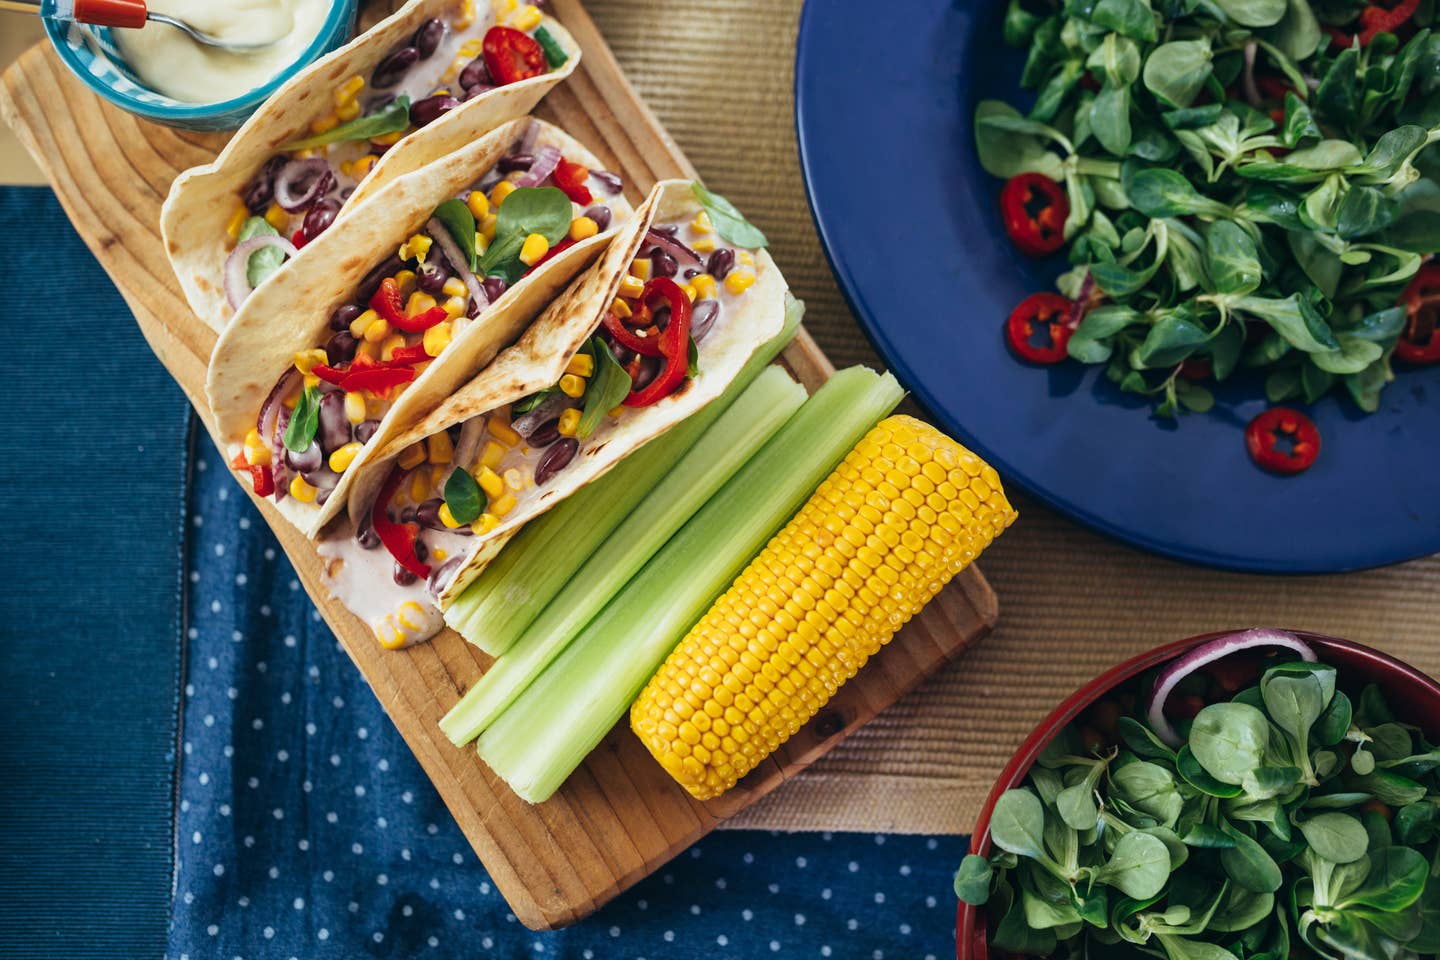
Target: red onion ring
[
  {"x": 458, "y": 261},
  {"x": 526, "y": 141},
  {"x": 270, "y": 410},
  {"x": 1207, "y": 653},
  {"x": 548, "y": 409},
  {"x": 301, "y": 182},
  {"x": 674, "y": 247},
  {"x": 546, "y": 160},
  {"x": 237, "y": 282}
]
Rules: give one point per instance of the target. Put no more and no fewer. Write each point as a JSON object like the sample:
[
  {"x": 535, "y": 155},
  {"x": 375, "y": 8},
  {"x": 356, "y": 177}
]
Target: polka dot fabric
[{"x": 306, "y": 829}]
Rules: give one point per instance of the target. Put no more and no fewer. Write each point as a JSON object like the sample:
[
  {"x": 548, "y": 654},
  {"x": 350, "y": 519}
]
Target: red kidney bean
[
  {"x": 427, "y": 39},
  {"x": 544, "y": 435},
  {"x": 403, "y": 577},
  {"x": 342, "y": 316},
  {"x": 371, "y": 283},
  {"x": 721, "y": 262},
  {"x": 422, "y": 552},
  {"x": 495, "y": 288},
  {"x": 319, "y": 217},
  {"x": 662, "y": 264},
  {"x": 613, "y": 183},
  {"x": 557, "y": 458},
  {"x": 260, "y": 191},
  {"x": 365, "y": 534},
  {"x": 441, "y": 575},
  {"x": 431, "y": 275},
  {"x": 393, "y": 68},
  {"x": 308, "y": 460},
  {"x": 649, "y": 366},
  {"x": 365, "y": 429},
  {"x": 334, "y": 431},
  {"x": 702, "y": 318},
  {"x": 475, "y": 74},
  {"x": 600, "y": 214},
  {"x": 669, "y": 229},
  {"x": 472, "y": 92},
  {"x": 340, "y": 348},
  {"x": 516, "y": 161},
  {"x": 427, "y": 514},
  {"x": 427, "y": 111},
  {"x": 692, "y": 272}
]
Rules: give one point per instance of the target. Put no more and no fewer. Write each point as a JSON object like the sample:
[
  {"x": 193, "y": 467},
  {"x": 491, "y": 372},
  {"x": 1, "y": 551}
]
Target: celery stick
[
  {"x": 510, "y": 593},
  {"x": 724, "y": 449},
  {"x": 545, "y": 734}
]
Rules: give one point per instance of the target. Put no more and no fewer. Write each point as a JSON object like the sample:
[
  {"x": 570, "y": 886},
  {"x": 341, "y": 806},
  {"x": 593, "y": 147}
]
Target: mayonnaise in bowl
[{"x": 173, "y": 64}]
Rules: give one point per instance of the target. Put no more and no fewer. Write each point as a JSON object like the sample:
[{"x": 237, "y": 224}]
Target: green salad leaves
[
  {"x": 1247, "y": 191},
  {"x": 1291, "y": 822}
]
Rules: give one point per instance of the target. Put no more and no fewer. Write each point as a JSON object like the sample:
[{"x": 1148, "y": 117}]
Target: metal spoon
[
  {"x": 208, "y": 39},
  {"x": 124, "y": 13}
]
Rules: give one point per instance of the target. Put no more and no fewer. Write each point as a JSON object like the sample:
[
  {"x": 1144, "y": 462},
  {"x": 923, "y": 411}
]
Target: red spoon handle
[{"x": 111, "y": 13}]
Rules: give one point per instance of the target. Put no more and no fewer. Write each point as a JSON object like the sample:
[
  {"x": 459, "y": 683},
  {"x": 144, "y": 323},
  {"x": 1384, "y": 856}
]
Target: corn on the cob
[{"x": 907, "y": 510}]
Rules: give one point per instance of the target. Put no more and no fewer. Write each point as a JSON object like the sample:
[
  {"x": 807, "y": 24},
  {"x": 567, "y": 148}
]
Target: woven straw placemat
[{"x": 1071, "y": 602}]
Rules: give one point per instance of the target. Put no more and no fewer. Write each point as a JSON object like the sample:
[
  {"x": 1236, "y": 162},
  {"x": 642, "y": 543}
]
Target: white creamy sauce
[{"x": 179, "y": 67}]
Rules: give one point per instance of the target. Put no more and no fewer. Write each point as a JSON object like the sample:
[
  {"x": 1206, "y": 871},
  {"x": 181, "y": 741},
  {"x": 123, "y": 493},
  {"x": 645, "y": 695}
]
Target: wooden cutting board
[{"x": 620, "y": 816}]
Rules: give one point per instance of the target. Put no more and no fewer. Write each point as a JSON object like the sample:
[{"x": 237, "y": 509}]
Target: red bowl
[{"x": 1415, "y": 696}]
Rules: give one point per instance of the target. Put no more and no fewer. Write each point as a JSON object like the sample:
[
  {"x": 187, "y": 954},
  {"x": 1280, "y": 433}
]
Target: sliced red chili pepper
[
  {"x": 298, "y": 238},
  {"x": 1283, "y": 440},
  {"x": 572, "y": 177},
  {"x": 554, "y": 251},
  {"x": 1034, "y": 209},
  {"x": 405, "y": 356},
  {"x": 512, "y": 55},
  {"x": 1049, "y": 310},
  {"x": 376, "y": 379},
  {"x": 398, "y": 538},
  {"x": 386, "y": 302},
  {"x": 328, "y": 373},
  {"x": 649, "y": 346},
  {"x": 239, "y": 462},
  {"x": 1420, "y": 342},
  {"x": 1374, "y": 20},
  {"x": 263, "y": 479},
  {"x": 674, "y": 343}
]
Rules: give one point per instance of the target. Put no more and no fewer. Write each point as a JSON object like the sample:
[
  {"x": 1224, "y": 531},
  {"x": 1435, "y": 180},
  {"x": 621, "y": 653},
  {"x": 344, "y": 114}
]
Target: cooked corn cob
[{"x": 907, "y": 510}]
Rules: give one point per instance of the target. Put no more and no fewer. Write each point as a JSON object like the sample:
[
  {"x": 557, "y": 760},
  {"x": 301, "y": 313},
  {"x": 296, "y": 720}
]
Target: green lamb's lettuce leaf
[
  {"x": 464, "y": 497},
  {"x": 459, "y": 222},
  {"x": 729, "y": 222},
  {"x": 391, "y": 118}
]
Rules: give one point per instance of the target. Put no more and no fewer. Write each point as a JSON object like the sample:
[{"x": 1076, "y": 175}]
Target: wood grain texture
[{"x": 620, "y": 816}]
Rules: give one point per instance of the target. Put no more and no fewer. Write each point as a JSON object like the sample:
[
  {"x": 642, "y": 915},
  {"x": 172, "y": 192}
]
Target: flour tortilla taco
[
  {"x": 399, "y": 305},
  {"x": 654, "y": 331},
  {"x": 419, "y": 85}
]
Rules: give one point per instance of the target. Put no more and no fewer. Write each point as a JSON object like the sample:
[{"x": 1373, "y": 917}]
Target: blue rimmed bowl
[{"x": 91, "y": 54}]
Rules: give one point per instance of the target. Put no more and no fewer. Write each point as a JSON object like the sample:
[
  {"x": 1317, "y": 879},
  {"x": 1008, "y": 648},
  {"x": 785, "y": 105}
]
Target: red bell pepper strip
[
  {"x": 1283, "y": 440},
  {"x": 263, "y": 479},
  {"x": 406, "y": 356},
  {"x": 329, "y": 374},
  {"x": 399, "y": 538},
  {"x": 571, "y": 178},
  {"x": 1049, "y": 310},
  {"x": 298, "y": 238},
  {"x": 1419, "y": 343},
  {"x": 674, "y": 343},
  {"x": 629, "y": 339},
  {"x": 554, "y": 251},
  {"x": 1374, "y": 20},
  {"x": 512, "y": 55},
  {"x": 1034, "y": 209},
  {"x": 386, "y": 302},
  {"x": 376, "y": 379}
]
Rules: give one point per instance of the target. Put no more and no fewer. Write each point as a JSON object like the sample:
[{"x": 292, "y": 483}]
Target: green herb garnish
[
  {"x": 729, "y": 222},
  {"x": 304, "y": 421},
  {"x": 264, "y": 261},
  {"x": 555, "y": 54},
  {"x": 608, "y": 387},
  {"x": 392, "y": 118},
  {"x": 464, "y": 497},
  {"x": 526, "y": 210},
  {"x": 460, "y": 223},
  {"x": 531, "y": 402}
]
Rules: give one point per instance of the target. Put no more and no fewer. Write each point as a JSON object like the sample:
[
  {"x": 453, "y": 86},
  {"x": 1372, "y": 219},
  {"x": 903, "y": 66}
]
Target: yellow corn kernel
[
  {"x": 583, "y": 228},
  {"x": 701, "y": 223},
  {"x": 818, "y": 602},
  {"x": 390, "y": 344},
  {"x": 569, "y": 422},
  {"x": 704, "y": 285},
  {"x": 420, "y": 485},
  {"x": 526, "y": 18},
  {"x": 631, "y": 287},
  {"x": 348, "y": 111},
  {"x": 301, "y": 490},
  {"x": 739, "y": 281},
  {"x": 500, "y": 191},
  {"x": 615, "y": 411},
  {"x": 704, "y": 245},
  {"x": 471, "y": 49},
  {"x": 367, "y": 349},
  {"x": 492, "y": 455},
  {"x": 689, "y": 289},
  {"x": 501, "y": 430},
  {"x": 514, "y": 479},
  {"x": 745, "y": 257},
  {"x": 418, "y": 303},
  {"x": 466, "y": 17},
  {"x": 582, "y": 365},
  {"x": 277, "y": 217},
  {"x": 448, "y": 518},
  {"x": 355, "y": 407},
  {"x": 360, "y": 324},
  {"x": 342, "y": 457},
  {"x": 256, "y": 453},
  {"x": 237, "y": 220},
  {"x": 347, "y": 168},
  {"x": 349, "y": 90},
  {"x": 415, "y": 248},
  {"x": 479, "y": 205},
  {"x": 503, "y": 505},
  {"x": 361, "y": 168},
  {"x": 305, "y": 360},
  {"x": 534, "y": 247},
  {"x": 437, "y": 338},
  {"x": 388, "y": 139},
  {"x": 412, "y": 456},
  {"x": 405, "y": 280},
  {"x": 455, "y": 287},
  {"x": 487, "y": 229},
  {"x": 378, "y": 330},
  {"x": 441, "y": 450},
  {"x": 324, "y": 124},
  {"x": 490, "y": 482},
  {"x": 486, "y": 523},
  {"x": 572, "y": 386},
  {"x": 455, "y": 307},
  {"x": 640, "y": 269},
  {"x": 621, "y": 308},
  {"x": 311, "y": 380}
]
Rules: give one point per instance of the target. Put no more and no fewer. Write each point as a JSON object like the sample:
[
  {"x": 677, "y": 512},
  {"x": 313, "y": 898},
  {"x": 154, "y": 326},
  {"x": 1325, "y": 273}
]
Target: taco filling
[
  {"x": 685, "y": 284},
  {"x": 408, "y": 309},
  {"x": 297, "y": 193}
]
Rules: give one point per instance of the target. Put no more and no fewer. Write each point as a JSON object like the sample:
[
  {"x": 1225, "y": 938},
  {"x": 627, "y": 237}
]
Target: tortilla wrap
[
  {"x": 202, "y": 200},
  {"x": 292, "y": 313},
  {"x": 540, "y": 357}
]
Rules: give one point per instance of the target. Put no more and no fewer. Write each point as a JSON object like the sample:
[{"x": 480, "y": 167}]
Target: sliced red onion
[
  {"x": 237, "y": 282},
  {"x": 301, "y": 182},
  {"x": 526, "y": 141},
  {"x": 702, "y": 318},
  {"x": 270, "y": 410},
  {"x": 546, "y": 160},
  {"x": 674, "y": 247},
  {"x": 472, "y": 431},
  {"x": 442, "y": 575},
  {"x": 548, "y": 409},
  {"x": 457, "y": 259},
  {"x": 613, "y": 184},
  {"x": 1082, "y": 300},
  {"x": 1207, "y": 653}
]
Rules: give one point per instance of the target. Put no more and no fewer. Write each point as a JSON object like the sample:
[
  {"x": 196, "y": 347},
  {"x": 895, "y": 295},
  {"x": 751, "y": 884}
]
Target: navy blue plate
[{"x": 911, "y": 225}]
